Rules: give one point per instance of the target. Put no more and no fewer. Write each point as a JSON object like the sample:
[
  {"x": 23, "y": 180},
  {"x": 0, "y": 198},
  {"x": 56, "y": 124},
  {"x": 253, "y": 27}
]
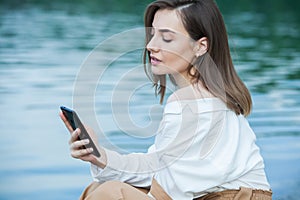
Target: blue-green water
[{"x": 42, "y": 50}]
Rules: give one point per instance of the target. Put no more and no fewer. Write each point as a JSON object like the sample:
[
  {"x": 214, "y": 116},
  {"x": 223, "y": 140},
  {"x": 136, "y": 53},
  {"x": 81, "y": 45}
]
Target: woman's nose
[{"x": 152, "y": 45}]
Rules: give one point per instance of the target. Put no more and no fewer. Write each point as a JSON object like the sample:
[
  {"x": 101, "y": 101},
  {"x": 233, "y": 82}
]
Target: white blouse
[{"x": 201, "y": 146}]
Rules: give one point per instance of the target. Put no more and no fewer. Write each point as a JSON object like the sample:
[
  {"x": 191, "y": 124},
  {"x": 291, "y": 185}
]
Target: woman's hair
[{"x": 202, "y": 18}]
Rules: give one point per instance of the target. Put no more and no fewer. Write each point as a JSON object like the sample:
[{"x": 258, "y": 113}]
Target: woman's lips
[{"x": 155, "y": 61}]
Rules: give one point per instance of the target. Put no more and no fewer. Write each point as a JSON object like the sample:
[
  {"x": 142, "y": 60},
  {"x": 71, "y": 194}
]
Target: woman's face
[{"x": 171, "y": 49}]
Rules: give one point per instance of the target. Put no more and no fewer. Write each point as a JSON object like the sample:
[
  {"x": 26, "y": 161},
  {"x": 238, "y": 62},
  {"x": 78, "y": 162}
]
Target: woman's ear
[{"x": 201, "y": 46}]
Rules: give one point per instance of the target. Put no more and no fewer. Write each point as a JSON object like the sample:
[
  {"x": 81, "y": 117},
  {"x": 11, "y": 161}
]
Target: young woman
[{"x": 204, "y": 147}]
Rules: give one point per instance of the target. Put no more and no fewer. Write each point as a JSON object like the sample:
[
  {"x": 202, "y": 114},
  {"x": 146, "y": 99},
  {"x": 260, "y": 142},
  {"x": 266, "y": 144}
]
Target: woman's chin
[{"x": 157, "y": 71}]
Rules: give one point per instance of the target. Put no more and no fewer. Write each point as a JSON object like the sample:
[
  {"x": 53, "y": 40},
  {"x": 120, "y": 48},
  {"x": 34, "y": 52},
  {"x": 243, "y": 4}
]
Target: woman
[{"x": 204, "y": 147}]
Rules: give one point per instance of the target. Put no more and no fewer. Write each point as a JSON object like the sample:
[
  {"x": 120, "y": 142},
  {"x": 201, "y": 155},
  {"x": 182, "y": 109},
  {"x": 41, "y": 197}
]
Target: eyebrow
[{"x": 165, "y": 30}]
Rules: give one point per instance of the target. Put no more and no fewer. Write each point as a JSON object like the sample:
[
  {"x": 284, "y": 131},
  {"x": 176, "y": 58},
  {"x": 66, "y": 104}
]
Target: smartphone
[{"x": 75, "y": 122}]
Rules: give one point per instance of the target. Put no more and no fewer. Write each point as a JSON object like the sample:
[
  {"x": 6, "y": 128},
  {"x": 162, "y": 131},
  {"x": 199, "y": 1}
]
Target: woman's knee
[
  {"x": 109, "y": 189},
  {"x": 112, "y": 184},
  {"x": 116, "y": 190}
]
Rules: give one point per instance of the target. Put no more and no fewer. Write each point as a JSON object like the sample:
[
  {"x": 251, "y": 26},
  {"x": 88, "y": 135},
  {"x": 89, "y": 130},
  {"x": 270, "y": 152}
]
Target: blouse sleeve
[
  {"x": 174, "y": 136},
  {"x": 135, "y": 168},
  {"x": 138, "y": 168}
]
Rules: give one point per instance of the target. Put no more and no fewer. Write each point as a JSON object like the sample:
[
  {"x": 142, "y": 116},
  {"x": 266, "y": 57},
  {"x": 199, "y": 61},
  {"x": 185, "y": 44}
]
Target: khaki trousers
[
  {"x": 241, "y": 194},
  {"x": 116, "y": 190}
]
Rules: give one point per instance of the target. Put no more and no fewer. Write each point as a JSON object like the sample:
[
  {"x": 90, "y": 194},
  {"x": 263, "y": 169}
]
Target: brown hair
[{"x": 202, "y": 18}]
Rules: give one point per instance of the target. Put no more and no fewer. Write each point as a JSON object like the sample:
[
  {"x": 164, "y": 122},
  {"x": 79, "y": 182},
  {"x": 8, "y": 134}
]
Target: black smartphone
[{"x": 75, "y": 122}]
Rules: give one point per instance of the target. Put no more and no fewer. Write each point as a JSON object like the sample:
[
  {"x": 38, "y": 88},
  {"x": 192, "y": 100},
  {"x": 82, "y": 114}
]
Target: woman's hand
[{"x": 77, "y": 146}]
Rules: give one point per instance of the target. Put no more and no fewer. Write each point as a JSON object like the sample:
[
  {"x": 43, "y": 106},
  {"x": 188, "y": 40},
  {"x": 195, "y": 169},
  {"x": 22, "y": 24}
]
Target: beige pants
[
  {"x": 241, "y": 194},
  {"x": 116, "y": 190}
]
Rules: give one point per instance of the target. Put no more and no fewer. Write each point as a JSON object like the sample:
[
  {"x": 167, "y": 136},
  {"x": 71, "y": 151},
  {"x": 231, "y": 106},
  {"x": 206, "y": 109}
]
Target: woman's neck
[{"x": 182, "y": 80}]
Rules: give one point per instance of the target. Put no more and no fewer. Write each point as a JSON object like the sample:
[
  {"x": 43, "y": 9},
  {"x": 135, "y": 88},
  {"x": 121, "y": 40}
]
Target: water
[{"x": 42, "y": 51}]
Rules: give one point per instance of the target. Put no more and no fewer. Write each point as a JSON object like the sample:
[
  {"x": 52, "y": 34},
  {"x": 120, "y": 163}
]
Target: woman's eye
[
  {"x": 167, "y": 40},
  {"x": 166, "y": 37}
]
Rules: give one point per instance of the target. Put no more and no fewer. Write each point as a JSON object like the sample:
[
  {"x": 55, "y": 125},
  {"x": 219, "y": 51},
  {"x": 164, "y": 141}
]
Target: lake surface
[{"x": 47, "y": 60}]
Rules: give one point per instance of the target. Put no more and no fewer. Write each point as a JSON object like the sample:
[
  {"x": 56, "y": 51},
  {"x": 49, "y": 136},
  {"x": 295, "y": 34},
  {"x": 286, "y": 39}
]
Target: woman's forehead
[{"x": 168, "y": 19}]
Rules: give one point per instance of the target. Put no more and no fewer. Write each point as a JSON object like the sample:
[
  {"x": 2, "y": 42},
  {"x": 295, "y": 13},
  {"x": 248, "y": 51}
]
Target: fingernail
[
  {"x": 86, "y": 141},
  {"x": 91, "y": 149}
]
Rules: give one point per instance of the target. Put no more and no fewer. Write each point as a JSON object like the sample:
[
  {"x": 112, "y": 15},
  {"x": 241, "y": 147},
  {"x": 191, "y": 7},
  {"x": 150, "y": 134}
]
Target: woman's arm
[{"x": 136, "y": 168}]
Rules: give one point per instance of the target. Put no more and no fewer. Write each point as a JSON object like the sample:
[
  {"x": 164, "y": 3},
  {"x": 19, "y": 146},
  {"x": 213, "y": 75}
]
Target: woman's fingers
[
  {"x": 81, "y": 152},
  {"x": 77, "y": 146},
  {"x": 74, "y": 136}
]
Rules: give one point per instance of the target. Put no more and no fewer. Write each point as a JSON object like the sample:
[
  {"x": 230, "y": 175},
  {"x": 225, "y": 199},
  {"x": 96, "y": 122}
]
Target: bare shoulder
[{"x": 191, "y": 92}]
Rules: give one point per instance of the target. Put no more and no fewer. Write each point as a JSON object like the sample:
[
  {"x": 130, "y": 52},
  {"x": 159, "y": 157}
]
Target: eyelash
[{"x": 167, "y": 41}]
